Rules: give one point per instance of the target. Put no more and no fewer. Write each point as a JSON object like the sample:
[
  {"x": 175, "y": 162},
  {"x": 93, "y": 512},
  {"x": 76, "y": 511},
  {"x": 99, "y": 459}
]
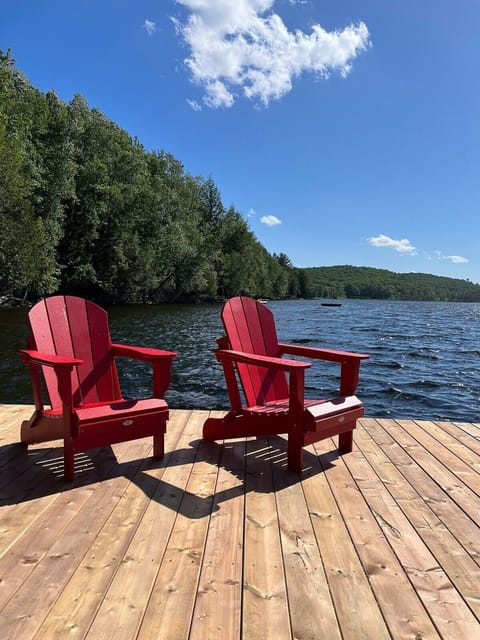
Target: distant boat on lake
[{"x": 331, "y": 304}]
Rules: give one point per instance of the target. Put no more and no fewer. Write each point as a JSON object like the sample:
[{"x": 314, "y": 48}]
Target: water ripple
[{"x": 424, "y": 362}]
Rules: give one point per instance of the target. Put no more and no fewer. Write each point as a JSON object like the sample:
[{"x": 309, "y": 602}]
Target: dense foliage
[
  {"x": 366, "y": 282},
  {"x": 85, "y": 209}
]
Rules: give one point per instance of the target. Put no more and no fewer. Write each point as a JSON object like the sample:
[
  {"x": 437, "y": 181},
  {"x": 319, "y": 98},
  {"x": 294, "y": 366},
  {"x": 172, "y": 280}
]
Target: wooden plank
[
  {"x": 122, "y": 609},
  {"x": 11, "y": 417},
  {"x": 357, "y": 610},
  {"x": 311, "y": 608},
  {"x": 29, "y": 499},
  {"x": 28, "y": 468},
  {"x": 170, "y": 608},
  {"x": 467, "y": 434},
  {"x": 389, "y": 531},
  {"x": 79, "y": 601},
  {"x": 26, "y": 610},
  {"x": 17, "y": 565},
  {"x": 433, "y": 482},
  {"x": 265, "y": 613},
  {"x": 217, "y": 612},
  {"x": 402, "y": 609},
  {"x": 10, "y": 453},
  {"x": 472, "y": 429},
  {"x": 441, "y": 599},
  {"x": 459, "y": 461},
  {"x": 449, "y": 553}
]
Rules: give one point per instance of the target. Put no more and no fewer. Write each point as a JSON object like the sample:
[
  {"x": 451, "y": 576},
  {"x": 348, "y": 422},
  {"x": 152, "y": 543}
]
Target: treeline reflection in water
[{"x": 425, "y": 356}]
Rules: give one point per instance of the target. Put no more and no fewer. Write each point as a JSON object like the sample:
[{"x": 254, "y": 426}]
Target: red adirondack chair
[
  {"x": 70, "y": 345},
  {"x": 274, "y": 402}
]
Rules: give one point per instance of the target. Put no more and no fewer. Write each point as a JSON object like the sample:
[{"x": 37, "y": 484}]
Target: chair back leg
[
  {"x": 345, "y": 441},
  {"x": 68, "y": 461},
  {"x": 158, "y": 445}
]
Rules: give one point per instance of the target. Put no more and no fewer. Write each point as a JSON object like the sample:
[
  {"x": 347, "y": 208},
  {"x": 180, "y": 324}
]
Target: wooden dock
[{"x": 221, "y": 542}]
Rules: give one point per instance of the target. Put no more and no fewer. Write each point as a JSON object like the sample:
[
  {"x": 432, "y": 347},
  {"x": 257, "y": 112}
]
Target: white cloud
[
  {"x": 243, "y": 45},
  {"x": 457, "y": 259},
  {"x": 270, "y": 221},
  {"x": 149, "y": 26},
  {"x": 194, "y": 104},
  {"x": 251, "y": 213},
  {"x": 402, "y": 246},
  {"x": 454, "y": 259},
  {"x": 217, "y": 95}
]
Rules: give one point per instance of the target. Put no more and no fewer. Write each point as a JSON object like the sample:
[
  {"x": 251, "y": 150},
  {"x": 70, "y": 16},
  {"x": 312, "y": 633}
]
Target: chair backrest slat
[
  {"x": 74, "y": 327},
  {"x": 250, "y": 327},
  {"x": 76, "y": 309},
  {"x": 107, "y": 385},
  {"x": 43, "y": 341}
]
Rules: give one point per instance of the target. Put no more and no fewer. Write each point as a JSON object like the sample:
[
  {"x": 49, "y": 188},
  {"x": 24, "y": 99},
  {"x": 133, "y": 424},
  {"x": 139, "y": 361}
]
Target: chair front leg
[
  {"x": 296, "y": 409},
  {"x": 70, "y": 429},
  {"x": 295, "y": 451},
  {"x": 232, "y": 386}
]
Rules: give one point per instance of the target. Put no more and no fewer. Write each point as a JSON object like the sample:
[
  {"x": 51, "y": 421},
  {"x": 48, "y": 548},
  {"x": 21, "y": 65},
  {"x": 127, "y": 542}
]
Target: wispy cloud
[
  {"x": 401, "y": 246},
  {"x": 270, "y": 221},
  {"x": 242, "y": 45},
  {"x": 455, "y": 259},
  {"x": 405, "y": 246},
  {"x": 149, "y": 26},
  {"x": 251, "y": 213},
  {"x": 194, "y": 104}
]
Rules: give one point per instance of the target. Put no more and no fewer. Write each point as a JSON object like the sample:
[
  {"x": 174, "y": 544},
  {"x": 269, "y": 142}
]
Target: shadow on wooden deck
[
  {"x": 38, "y": 472},
  {"x": 221, "y": 541}
]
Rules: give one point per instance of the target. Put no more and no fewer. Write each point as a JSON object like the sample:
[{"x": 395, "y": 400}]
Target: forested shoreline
[
  {"x": 380, "y": 284},
  {"x": 85, "y": 209}
]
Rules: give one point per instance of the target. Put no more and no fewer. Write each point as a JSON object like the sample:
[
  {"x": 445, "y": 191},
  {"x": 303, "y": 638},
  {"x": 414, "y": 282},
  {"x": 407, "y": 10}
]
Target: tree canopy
[
  {"x": 366, "y": 282},
  {"x": 86, "y": 209}
]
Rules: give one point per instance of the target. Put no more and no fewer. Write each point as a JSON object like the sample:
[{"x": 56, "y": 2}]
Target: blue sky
[{"x": 346, "y": 132}]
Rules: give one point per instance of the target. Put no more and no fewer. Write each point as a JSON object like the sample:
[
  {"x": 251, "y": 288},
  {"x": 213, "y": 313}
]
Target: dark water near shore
[{"x": 425, "y": 356}]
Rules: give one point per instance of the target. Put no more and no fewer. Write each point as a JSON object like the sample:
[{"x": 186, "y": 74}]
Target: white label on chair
[
  {"x": 127, "y": 423},
  {"x": 334, "y": 405}
]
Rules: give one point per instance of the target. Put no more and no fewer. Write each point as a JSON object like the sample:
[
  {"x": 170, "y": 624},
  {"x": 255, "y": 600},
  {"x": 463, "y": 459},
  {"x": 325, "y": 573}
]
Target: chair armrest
[
  {"x": 142, "y": 353},
  {"x": 350, "y": 363},
  {"x": 160, "y": 360},
  {"x": 62, "y": 368},
  {"x": 269, "y": 362},
  {"x": 322, "y": 354},
  {"x": 295, "y": 369},
  {"x": 30, "y": 356}
]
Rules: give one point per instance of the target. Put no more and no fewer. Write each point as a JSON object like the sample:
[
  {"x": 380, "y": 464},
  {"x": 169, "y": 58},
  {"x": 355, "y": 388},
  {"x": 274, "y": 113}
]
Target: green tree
[
  {"x": 27, "y": 263},
  {"x": 85, "y": 209}
]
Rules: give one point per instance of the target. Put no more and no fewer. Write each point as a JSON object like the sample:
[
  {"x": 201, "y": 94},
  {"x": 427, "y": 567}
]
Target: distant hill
[{"x": 366, "y": 282}]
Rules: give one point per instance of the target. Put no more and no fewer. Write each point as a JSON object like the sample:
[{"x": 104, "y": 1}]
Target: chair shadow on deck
[{"x": 260, "y": 465}]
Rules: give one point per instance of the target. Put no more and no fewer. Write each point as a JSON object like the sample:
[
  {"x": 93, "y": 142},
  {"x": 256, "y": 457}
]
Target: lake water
[{"x": 425, "y": 356}]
